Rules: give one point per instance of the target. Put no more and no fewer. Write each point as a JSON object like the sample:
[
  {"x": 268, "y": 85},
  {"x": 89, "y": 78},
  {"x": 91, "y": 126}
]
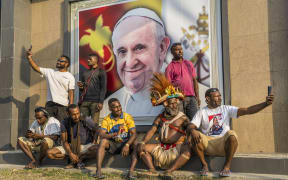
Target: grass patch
[
  {"x": 41, "y": 174},
  {"x": 62, "y": 174}
]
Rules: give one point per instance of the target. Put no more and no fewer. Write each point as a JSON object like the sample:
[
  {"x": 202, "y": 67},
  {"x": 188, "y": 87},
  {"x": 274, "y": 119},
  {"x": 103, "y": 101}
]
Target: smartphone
[{"x": 269, "y": 90}]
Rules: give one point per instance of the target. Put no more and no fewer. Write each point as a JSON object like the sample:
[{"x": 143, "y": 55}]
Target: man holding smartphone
[
  {"x": 215, "y": 137},
  {"x": 92, "y": 86},
  {"x": 42, "y": 135},
  {"x": 60, "y": 85}
]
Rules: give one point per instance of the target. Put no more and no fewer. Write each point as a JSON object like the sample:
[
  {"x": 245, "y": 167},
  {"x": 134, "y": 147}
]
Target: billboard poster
[{"x": 132, "y": 49}]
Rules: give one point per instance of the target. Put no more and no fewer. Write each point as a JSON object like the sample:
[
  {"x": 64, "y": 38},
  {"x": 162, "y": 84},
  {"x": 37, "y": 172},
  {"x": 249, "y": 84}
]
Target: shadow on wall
[
  {"x": 45, "y": 56},
  {"x": 23, "y": 113},
  {"x": 278, "y": 43},
  {"x": 25, "y": 71}
]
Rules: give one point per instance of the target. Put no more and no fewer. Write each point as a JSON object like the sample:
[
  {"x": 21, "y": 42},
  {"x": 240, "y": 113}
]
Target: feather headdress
[{"x": 162, "y": 89}]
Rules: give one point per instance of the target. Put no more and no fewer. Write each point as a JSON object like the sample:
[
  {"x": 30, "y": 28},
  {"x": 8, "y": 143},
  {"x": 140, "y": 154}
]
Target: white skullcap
[{"x": 142, "y": 12}]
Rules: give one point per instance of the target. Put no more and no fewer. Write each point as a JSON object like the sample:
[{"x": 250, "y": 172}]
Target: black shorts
[{"x": 116, "y": 147}]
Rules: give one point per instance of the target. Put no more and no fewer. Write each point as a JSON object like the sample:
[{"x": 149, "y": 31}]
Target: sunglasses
[
  {"x": 209, "y": 91},
  {"x": 214, "y": 89},
  {"x": 61, "y": 61}
]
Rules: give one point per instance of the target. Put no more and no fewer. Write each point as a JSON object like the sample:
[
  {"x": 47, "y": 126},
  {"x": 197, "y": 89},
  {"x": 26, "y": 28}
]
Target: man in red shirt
[{"x": 181, "y": 73}]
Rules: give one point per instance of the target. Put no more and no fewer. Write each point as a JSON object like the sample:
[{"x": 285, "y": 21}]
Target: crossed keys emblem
[{"x": 195, "y": 42}]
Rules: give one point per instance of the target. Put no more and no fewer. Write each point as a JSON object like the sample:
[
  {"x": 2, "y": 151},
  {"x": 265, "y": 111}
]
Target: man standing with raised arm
[{"x": 60, "y": 86}]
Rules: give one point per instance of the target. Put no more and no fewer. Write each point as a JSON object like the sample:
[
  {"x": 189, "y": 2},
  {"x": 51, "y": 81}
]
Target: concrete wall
[
  {"x": 258, "y": 58},
  {"x": 14, "y": 70},
  {"x": 250, "y": 72},
  {"x": 278, "y": 54}
]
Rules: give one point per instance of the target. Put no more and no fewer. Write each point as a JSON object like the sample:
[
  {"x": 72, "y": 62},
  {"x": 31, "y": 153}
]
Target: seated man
[
  {"x": 77, "y": 136},
  {"x": 171, "y": 153},
  {"x": 118, "y": 133},
  {"x": 41, "y": 136},
  {"x": 216, "y": 138}
]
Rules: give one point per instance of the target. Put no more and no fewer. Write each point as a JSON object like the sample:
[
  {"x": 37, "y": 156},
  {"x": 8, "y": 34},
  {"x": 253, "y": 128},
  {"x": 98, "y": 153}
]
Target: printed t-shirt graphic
[
  {"x": 120, "y": 126},
  {"x": 217, "y": 120}
]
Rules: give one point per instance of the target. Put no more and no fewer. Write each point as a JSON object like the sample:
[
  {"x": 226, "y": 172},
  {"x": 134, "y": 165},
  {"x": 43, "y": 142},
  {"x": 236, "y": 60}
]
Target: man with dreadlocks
[{"x": 171, "y": 153}]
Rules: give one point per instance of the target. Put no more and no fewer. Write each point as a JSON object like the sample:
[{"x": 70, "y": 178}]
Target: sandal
[
  {"x": 131, "y": 175},
  {"x": 31, "y": 165},
  {"x": 151, "y": 173},
  {"x": 204, "y": 172},
  {"x": 69, "y": 166},
  {"x": 98, "y": 176},
  {"x": 80, "y": 165},
  {"x": 167, "y": 175},
  {"x": 225, "y": 173}
]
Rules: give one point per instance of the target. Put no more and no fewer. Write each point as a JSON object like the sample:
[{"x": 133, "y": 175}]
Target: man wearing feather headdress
[{"x": 171, "y": 153}]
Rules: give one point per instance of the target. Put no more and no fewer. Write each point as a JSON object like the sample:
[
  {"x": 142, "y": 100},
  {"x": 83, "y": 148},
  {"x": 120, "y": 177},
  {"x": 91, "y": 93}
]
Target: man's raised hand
[
  {"x": 269, "y": 99},
  {"x": 29, "y": 52}
]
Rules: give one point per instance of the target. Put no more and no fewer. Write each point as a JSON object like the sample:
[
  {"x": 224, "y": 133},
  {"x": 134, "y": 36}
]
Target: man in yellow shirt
[{"x": 118, "y": 134}]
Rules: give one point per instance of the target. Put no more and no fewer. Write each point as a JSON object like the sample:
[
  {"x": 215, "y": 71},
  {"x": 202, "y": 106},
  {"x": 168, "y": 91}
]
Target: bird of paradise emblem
[{"x": 97, "y": 39}]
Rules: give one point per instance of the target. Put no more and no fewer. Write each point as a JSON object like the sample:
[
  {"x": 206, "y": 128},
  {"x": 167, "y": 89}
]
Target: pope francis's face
[{"x": 138, "y": 52}]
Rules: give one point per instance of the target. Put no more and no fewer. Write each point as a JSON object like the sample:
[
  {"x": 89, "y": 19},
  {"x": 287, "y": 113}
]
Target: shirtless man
[{"x": 171, "y": 153}]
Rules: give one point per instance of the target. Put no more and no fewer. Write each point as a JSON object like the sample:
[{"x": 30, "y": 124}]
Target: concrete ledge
[{"x": 242, "y": 163}]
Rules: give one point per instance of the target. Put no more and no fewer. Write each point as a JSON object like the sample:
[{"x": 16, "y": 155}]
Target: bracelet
[{"x": 127, "y": 144}]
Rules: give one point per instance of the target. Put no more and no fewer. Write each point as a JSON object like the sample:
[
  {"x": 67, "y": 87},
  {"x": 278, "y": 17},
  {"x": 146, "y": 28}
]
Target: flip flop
[
  {"x": 131, "y": 176},
  {"x": 150, "y": 173},
  {"x": 204, "y": 172},
  {"x": 69, "y": 166},
  {"x": 30, "y": 166},
  {"x": 225, "y": 173},
  {"x": 167, "y": 175},
  {"x": 80, "y": 165},
  {"x": 99, "y": 177}
]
